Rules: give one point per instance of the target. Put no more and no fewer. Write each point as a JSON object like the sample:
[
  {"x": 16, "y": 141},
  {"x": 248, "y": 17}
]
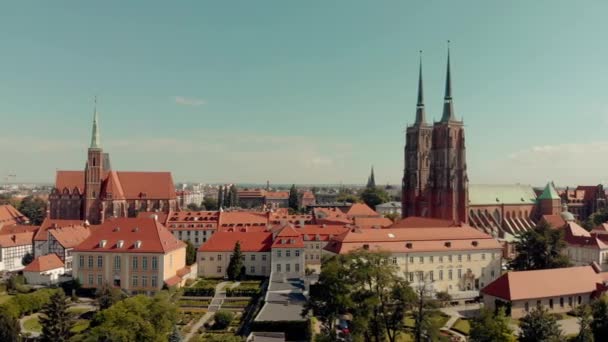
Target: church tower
[
  {"x": 435, "y": 182},
  {"x": 94, "y": 171},
  {"x": 418, "y": 139}
]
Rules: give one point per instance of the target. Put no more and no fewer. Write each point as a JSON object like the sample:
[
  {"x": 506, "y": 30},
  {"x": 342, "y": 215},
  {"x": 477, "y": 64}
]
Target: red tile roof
[
  {"x": 250, "y": 242},
  {"x": 277, "y": 194},
  {"x": 372, "y": 222},
  {"x": 361, "y": 209},
  {"x": 288, "y": 237},
  {"x": 17, "y": 228},
  {"x": 242, "y": 218},
  {"x": 123, "y": 184},
  {"x": 41, "y": 234},
  {"x": 161, "y": 216},
  {"x": 70, "y": 237},
  {"x": 9, "y": 215},
  {"x": 576, "y": 235},
  {"x": 286, "y": 218},
  {"x": 330, "y": 216},
  {"x": 413, "y": 240},
  {"x": 555, "y": 221},
  {"x": 18, "y": 239},
  {"x": 554, "y": 282},
  {"x": 44, "y": 263},
  {"x": 152, "y": 236},
  {"x": 320, "y": 232},
  {"x": 422, "y": 222}
]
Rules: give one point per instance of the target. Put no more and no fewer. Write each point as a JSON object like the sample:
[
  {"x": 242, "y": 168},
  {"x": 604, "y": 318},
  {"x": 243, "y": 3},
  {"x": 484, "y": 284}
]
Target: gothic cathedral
[{"x": 435, "y": 182}]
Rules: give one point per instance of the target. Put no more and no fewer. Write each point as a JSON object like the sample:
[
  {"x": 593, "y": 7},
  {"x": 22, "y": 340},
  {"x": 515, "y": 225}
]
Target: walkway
[{"x": 214, "y": 306}]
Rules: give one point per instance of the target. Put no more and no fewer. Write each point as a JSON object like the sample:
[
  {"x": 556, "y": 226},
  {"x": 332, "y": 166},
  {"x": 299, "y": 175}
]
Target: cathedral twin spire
[
  {"x": 448, "y": 106},
  {"x": 95, "y": 143}
]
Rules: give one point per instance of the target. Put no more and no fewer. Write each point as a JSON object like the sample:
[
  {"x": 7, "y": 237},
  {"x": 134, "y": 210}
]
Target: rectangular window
[
  {"x": 117, "y": 262},
  {"x": 263, "y": 257},
  {"x": 134, "y": 281},
  {"x": 431, "y": 259},
  {"x": 431, "y": 276},
  {"x": 135, "y": 262},
  {"x": 252, "y": 269},
  {"x": 278, "y": 267},
  {"x": 561, "y": 302},
  {"x": 288, "y": 253},
  {"x": 422, "y": 260},
  {"x": 287, "y": 267},
  {"x": 459, "y": 257},
  {"x": 154, "y": 280},
  {"x": 450, "y": 274},
  {"x": 219, "y": 269},
  {"x": 450, "y": 258},
  {"x": 297, "y": 252},
  {"x": 252, "y": 257},
  {"x": 297, "y": 267},
  {"x": 155, "y": 262},
  {"x": 90, "y": 261},
  {"x": 99, "y": 261},
  {"x": 144, "y": 263},
  {"x": 278, "y": 253},
  {"x": 441, "y": 258},
  {"x": 527, "y": 306},
  {"x": 81, "y": 261},
  {"x": 394, "y": 260},
  {"x": 144, "y": 281},
  {"x": 468, "y": 257},
  {"x": 411, "y": 276},
  {"x": 219, "y": 257},
  {"x": 459, "y": 273},
  {"x": 440, "y": 274},
  {"x": 99, "y": 280},
  {"x": 411, "y": 260},
  {"x": 420, "y": 275},
  {"x": 90, "y": 279}
]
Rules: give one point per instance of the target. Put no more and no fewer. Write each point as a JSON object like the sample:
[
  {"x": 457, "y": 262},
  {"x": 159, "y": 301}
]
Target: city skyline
[{"x": 308, "y": 103}]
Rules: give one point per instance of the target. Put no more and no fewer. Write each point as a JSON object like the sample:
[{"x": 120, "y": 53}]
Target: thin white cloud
[{"x": 189, "y": 101}]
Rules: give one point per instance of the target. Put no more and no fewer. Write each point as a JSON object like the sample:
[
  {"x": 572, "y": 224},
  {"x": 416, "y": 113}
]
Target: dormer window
[
  {"x": 138, "y": 244},
  {"x": 366, "y": 247},
  {"x": 408, "y": 245},
  {"x": 120, "y": 244},
  {"x": 448, "y": 244},
  {"x": 475, "y": 243},
  {"x": 102, "y": 243}
]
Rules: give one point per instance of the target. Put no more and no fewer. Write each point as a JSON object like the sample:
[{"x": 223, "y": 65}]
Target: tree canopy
[
  {"x": 293, "y": 198},
  {"x": 56, "y": 320},
  {"x": 235, "y": 267},
  {"x": 540, "y": 248},
  {"x": 34, "y": 208},
  {"x": 540, "y": 326},
  {"x": 599, "y": 324},
  {"x": 488, "y": 327},
  {"x": 190, "y": 253},
  {"x": 372, "y": 196},
  {"x": 9, "y": 326},
  {"x": 106, "y": 296},
  {"x": 209, "y": 203}
]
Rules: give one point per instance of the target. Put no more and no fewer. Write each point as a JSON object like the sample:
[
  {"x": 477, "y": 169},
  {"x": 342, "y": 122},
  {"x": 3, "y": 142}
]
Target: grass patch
[
  {"x": 193, "y": 302},
  {"x": 32, "y": 324},
  {"x": 80, "y": 326},
  {"x": 462, "y": 326},
  {"x": 4, "y": 297},
  {"x": 78, "y": 311}
]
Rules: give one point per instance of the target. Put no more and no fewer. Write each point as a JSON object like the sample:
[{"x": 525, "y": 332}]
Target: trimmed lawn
[
  {"x": 462, "y": 326},
  {"x": 32, "y": 324}
]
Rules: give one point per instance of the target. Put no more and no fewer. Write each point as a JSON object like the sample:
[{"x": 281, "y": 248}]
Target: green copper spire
[
  {"x": 420, "y": 115},
  {"x": 549, "y": 193},
  {"x": 448, "y": 105},
  {"x": 95, "y": 136}
]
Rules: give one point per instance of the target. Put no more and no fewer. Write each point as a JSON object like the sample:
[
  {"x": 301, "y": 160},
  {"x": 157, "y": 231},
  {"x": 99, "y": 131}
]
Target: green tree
[
  {"x": 585, "y": 333},
  {"x": 425, "y": 309},
  {"x": 209, "y": 203},
  {"x": 175, "y": 336},
  {"x": 190, "y": 253},
  {"x": 235, "y": 266},
  {"x": 293, "y": 198},
  {"x": 599, "y": 324},
  {"x": 27, "y": 259},
  {"x": 56, "y": 320},
  {"x": 488, "y": 327},
  {"x": 220, "y": 197},
  {"x": 443, "y": 298},
  {"x": 348, "y": 198},
  {"x": 234, "y": 196},
  {"x": 193, "y": 207},
  {"x": 9, "y": 326},
  {"x": 106, "y": 296},
  {"x": 34, "y": 208},
  {"x": 540, "y": 248},
  {"x": 374, "y": 196},
  {"x": 222, "y": 319},
  {"x": 539, "y": 326}
]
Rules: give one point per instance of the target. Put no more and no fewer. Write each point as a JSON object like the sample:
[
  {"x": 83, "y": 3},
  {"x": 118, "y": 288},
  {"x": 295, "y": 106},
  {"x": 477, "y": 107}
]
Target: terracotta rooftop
[
  {"x": 70, "y": 237},
  {"x": 413, "y": 240},
  {"x": 555, "y": 221},
  {"x": 242, "y": 218},
  {"x": 44, "y": 263},
  {"x": 17, "y": 239},
  {"x": 372, "y": 222},
  {"x": 330, "y": 216},
  {"x": 320, "y": 232},
  {"x": 17, "y": 228},
  {"x": 277, "y": 195},
  {"x": 288, "y": 237},
  {"x": 361, "y": 209},
  {"x": 136, "y": 235},
  {"x": 250, "y": 242},
  {"x": 41, "y": 234},
  {"x": 70, "y": 180},
  {"x": 162, "y": 216},
  {"x": 576, "y": 235},
  {"x": 554, "y": 282},
  {"x": 422, "y": 222},
  {"x": 9, "y": 215}
]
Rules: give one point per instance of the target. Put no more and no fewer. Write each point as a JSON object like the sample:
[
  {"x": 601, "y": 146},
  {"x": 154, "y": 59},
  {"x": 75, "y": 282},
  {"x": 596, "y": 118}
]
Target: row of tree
[{"x": 228, "y": 196}]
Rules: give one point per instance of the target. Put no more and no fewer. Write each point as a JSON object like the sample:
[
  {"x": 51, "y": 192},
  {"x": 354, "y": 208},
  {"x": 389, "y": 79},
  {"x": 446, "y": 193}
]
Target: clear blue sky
[{"x": 307, "y": 91}]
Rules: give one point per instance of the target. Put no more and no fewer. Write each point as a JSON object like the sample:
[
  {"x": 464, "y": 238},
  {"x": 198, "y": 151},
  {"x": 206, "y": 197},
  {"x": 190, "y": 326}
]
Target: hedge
[
  {"x": 28, "y": 303},
  {"x": 242, "y": 292},
  {"x": 199, "y": 291},
  {"x": 294, "y": 330}
]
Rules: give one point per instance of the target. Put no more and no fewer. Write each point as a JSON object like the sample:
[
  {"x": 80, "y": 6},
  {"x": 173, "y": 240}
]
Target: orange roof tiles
[
  {"x": 422, "y": 222},
  {"x": 150, "y": 234},
  {"x": 285, "y": 218},
  {"x": 413, "y": 240},
  {"x": 70, "y": 180},
  {"x": 277, "y": 194},
  {"x": 320, "y": 232},
  {"x": 10, "y": 215},
  {"x": 250, "y": 242},
  {"x": 41, "y": 234},
  {"x": 71, "y": 236},
  {"x": 242, "y": 218},
  {"x": 372, "y": 222},
  {"x": 17, "y": 239},
  {"x": 17, "y": 228},
  {"x": 44, "y": 263},
  {"x": 555, "y": 221},
  {"x": 160, "y": 215},
  {"x": 577, "y": 236},
  {"x": 554, "y": 282},
  {"x": 288, "y": 237},
  {"x": 330, "y": 216},
  {"x": 360, "y": 209}
]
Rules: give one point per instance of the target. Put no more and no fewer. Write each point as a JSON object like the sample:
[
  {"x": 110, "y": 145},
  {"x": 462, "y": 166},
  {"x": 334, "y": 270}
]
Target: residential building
[
  {"x": 185, "y": 197},
  {"x": 138, "y": 255},
  {"x": 276, "y": 199},
  {"x": 62, "y": 241},
  {"x": 194, "y": 226},
  {"x": 41, "y": 236},
  {"x": 306, "y": 199},
  {"x": 288, "y": 251},
  {"x": 44, "y": 270},
  {"x": 559, "y": 290},
  {"x": 315, "y": 239},
  {"x": 389, "y": 208},
  {"x": 13, "y": 247},
  {"x": 584, "y": 200},
  {"x": 584, "y": 248},
  {"x": 214, "y": 255},
  {"x": 458, "y": 260},
  {"x": 98, "y": 192},
  {"x": 11, "y": 216}
]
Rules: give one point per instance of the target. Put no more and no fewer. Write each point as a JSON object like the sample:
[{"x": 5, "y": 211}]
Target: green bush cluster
[
  {"x": 245, "y": 289},
  {"x": 222, "y": 319},
  {"x": 199, "y": 291},
  {"x": 27, "y": 303}
]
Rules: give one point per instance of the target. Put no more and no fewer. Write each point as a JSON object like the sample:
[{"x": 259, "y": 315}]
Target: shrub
[
  {"x": 199, "y": 291},
  {"x": 25, "y": 304},
  {"x": 222, "y": 319}
]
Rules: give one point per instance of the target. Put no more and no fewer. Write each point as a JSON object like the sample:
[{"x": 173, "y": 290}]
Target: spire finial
[
  {"x": 448, "y": 107},
  {"x": 420, "y": 116},
  {"x": 95, "y": 134}
]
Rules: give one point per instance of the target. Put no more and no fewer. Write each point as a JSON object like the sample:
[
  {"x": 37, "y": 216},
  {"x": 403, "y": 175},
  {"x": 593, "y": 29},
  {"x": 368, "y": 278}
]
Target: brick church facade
[
  {"x": 98, "y": 192},
  {"x": 435, "y": 181}
]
